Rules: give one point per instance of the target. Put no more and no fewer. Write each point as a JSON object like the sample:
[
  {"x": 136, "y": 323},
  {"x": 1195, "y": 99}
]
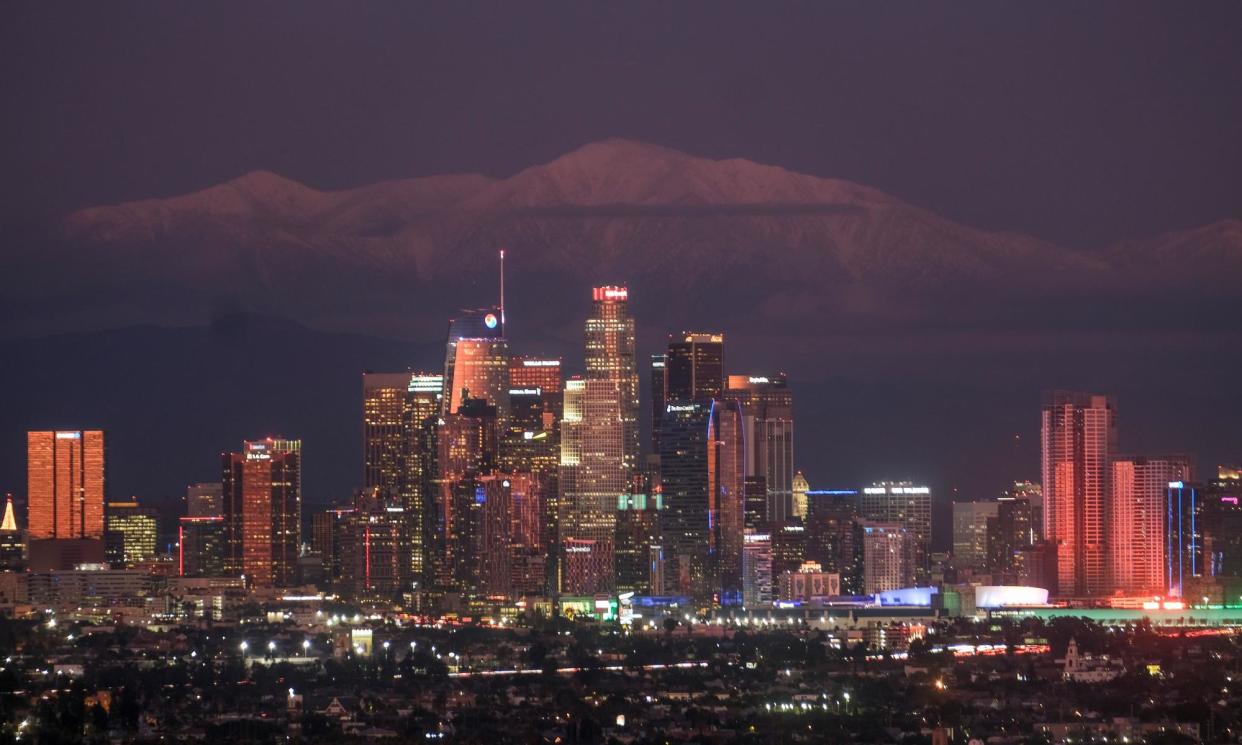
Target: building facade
[
  {"x": 1078, "y": 437},
  {"x": 66, "y": 481}
]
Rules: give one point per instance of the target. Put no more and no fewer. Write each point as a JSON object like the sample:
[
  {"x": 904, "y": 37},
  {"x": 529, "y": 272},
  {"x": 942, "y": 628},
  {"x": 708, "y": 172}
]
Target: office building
[
  {"x": 908, "y": 505},
  {"x": 755, "y": 507},
  {"x": 1078, "y": 438},
  {"x": 834, "y": 535},
  {"x": 809, "y": 583},
  {"x": 658, "y": 400},
  {"x": 694, "y": 368},
  {"x": 66, "y": 482},
  {"x": 12, "y": 540},
  {"x": 200, "y": 546},
  {"x": 887, "y": 552},
  {"x": 611, "y": 355},
  {"x": 756, "y": 570},
  {"x": 467, "y": 442},
  {"x": 687, "y": 535},
  {"x": 420, "y": 425},
  {"x": 767, "y": 414},
  {"x": 593, "y": 476},
  {"x": 638, "y": 532},
  {"x": 373, "y": 549},
  {"x": 800, "y": 487},
  {"x": 970, "y": 533},
  {"x": 1009, "y": 533},
  {"x": 1138, "y": 487},
  {"x": 204, "y": 500},
  {"x": 384, "y": 432},
  {"x": 328, "y": 539},
  {"x": 263, "y": 510},
  {"x": 728, "y": 476},
  {"x": 480, "y": 323},
  {"x": 130, "y": 533}
]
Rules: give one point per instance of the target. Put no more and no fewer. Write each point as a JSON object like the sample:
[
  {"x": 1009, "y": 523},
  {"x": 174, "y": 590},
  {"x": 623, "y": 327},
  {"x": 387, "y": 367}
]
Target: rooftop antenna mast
[{"x": 502, "y": 292}]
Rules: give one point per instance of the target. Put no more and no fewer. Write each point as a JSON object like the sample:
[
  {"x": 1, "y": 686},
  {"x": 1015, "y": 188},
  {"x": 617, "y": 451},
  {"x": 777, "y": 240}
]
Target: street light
[
  {"x": 305, "y": 646},
  {"x": 244, "y": 646}
]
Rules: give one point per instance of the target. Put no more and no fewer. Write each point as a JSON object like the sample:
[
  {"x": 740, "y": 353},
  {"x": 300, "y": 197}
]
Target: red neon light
[
  {"x": 180, "y": 550},
  {"x": 610, "y": 292}
]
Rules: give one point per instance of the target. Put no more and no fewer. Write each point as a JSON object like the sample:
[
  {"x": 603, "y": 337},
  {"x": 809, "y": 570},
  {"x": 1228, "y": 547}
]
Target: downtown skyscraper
[
  {"x": 1136, "y": 519},
  {"x": 767, "y": 415},
  {"x": 476, "y": 361},
  {"x": 1078, "y": 437},
  {"x": 593, "y": 477},
  {"x": 66, "y": 482},
  {"x": 611, "y": 355},
  {"x": 263, "y": 510}
]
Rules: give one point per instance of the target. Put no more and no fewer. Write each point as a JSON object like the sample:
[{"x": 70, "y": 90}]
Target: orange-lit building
[
  {"x": 543, "y": 373},
  {"x": 263, "y": 510},
  {"x": 1078, "y": 435},
  {"x": 592, "y": 479},
  {"x": 66, "y": 480},
  {"x": 1137, "y": 489},
  {"x": 611, "y": 355}
]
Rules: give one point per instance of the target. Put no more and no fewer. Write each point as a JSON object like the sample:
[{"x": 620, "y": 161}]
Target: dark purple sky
[{"x": 1077, "y": 122}]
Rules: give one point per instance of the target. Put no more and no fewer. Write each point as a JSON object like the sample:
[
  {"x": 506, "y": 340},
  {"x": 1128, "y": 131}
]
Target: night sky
[{"x": 1078, "y": 124}]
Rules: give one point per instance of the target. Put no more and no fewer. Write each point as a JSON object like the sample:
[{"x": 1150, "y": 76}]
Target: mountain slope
[{"x": 707, "y": 236}]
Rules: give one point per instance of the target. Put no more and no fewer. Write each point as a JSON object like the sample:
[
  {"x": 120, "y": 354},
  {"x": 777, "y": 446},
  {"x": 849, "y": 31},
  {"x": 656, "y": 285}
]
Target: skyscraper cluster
[{"x": 497, "y": 478}]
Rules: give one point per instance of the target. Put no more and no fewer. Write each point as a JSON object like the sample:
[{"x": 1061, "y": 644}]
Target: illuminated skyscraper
[
  {"x": 12, "y": 540},
  {"x": 728, "y": 483},
  {"x": 908, "y": 505},
  {"x": 482, "y": 323},
  {"x": 467, "y": 443},
  {"x": 1138, "y": 487},
  {"x": 694, "y": 368},
  {"x": 756, "y": 570},
  {"x": 420, "y": 422},
  {"x": 767, "y": 413},
  {"x": 66, "y": 482},
  {"x": 593, "y": 476},
  {"x": 886, "y": 557},
  {"x": 1078, "y": 436},
  {"x": 687, "y": 537},
  {"x": 610, "y": 355},
  {"x": 374, "y": 549},
  {"x": 800, "y": 487},
  {"x": 263, "y": 510},
  {"x": 384, "y": 432},
  {"x": 481, "y": 370},
  {"x": 638, "y": 531},
  {"x": 130, "y": 532},
  {"x": 703, "y": 487}
]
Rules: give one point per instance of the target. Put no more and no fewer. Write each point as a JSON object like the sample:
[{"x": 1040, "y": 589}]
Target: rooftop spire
[{"x": 10, "y": 523}]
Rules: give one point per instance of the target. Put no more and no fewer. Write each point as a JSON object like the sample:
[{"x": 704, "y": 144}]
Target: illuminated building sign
[
  {"x": 897, "y": 490},
  {"x": 577, "y": 549},
  {"x": 525, "y": 391},
  {"x": 611, "y": 293},
  {"x": 68, "y": 435},
  {"x": 680, "y": 407},
  {"x": 490, "y": 320},
  {"x": 757, "y": 379},
  {"x": 426, "y": 384},
  {"x": 541, "y": 363}
]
